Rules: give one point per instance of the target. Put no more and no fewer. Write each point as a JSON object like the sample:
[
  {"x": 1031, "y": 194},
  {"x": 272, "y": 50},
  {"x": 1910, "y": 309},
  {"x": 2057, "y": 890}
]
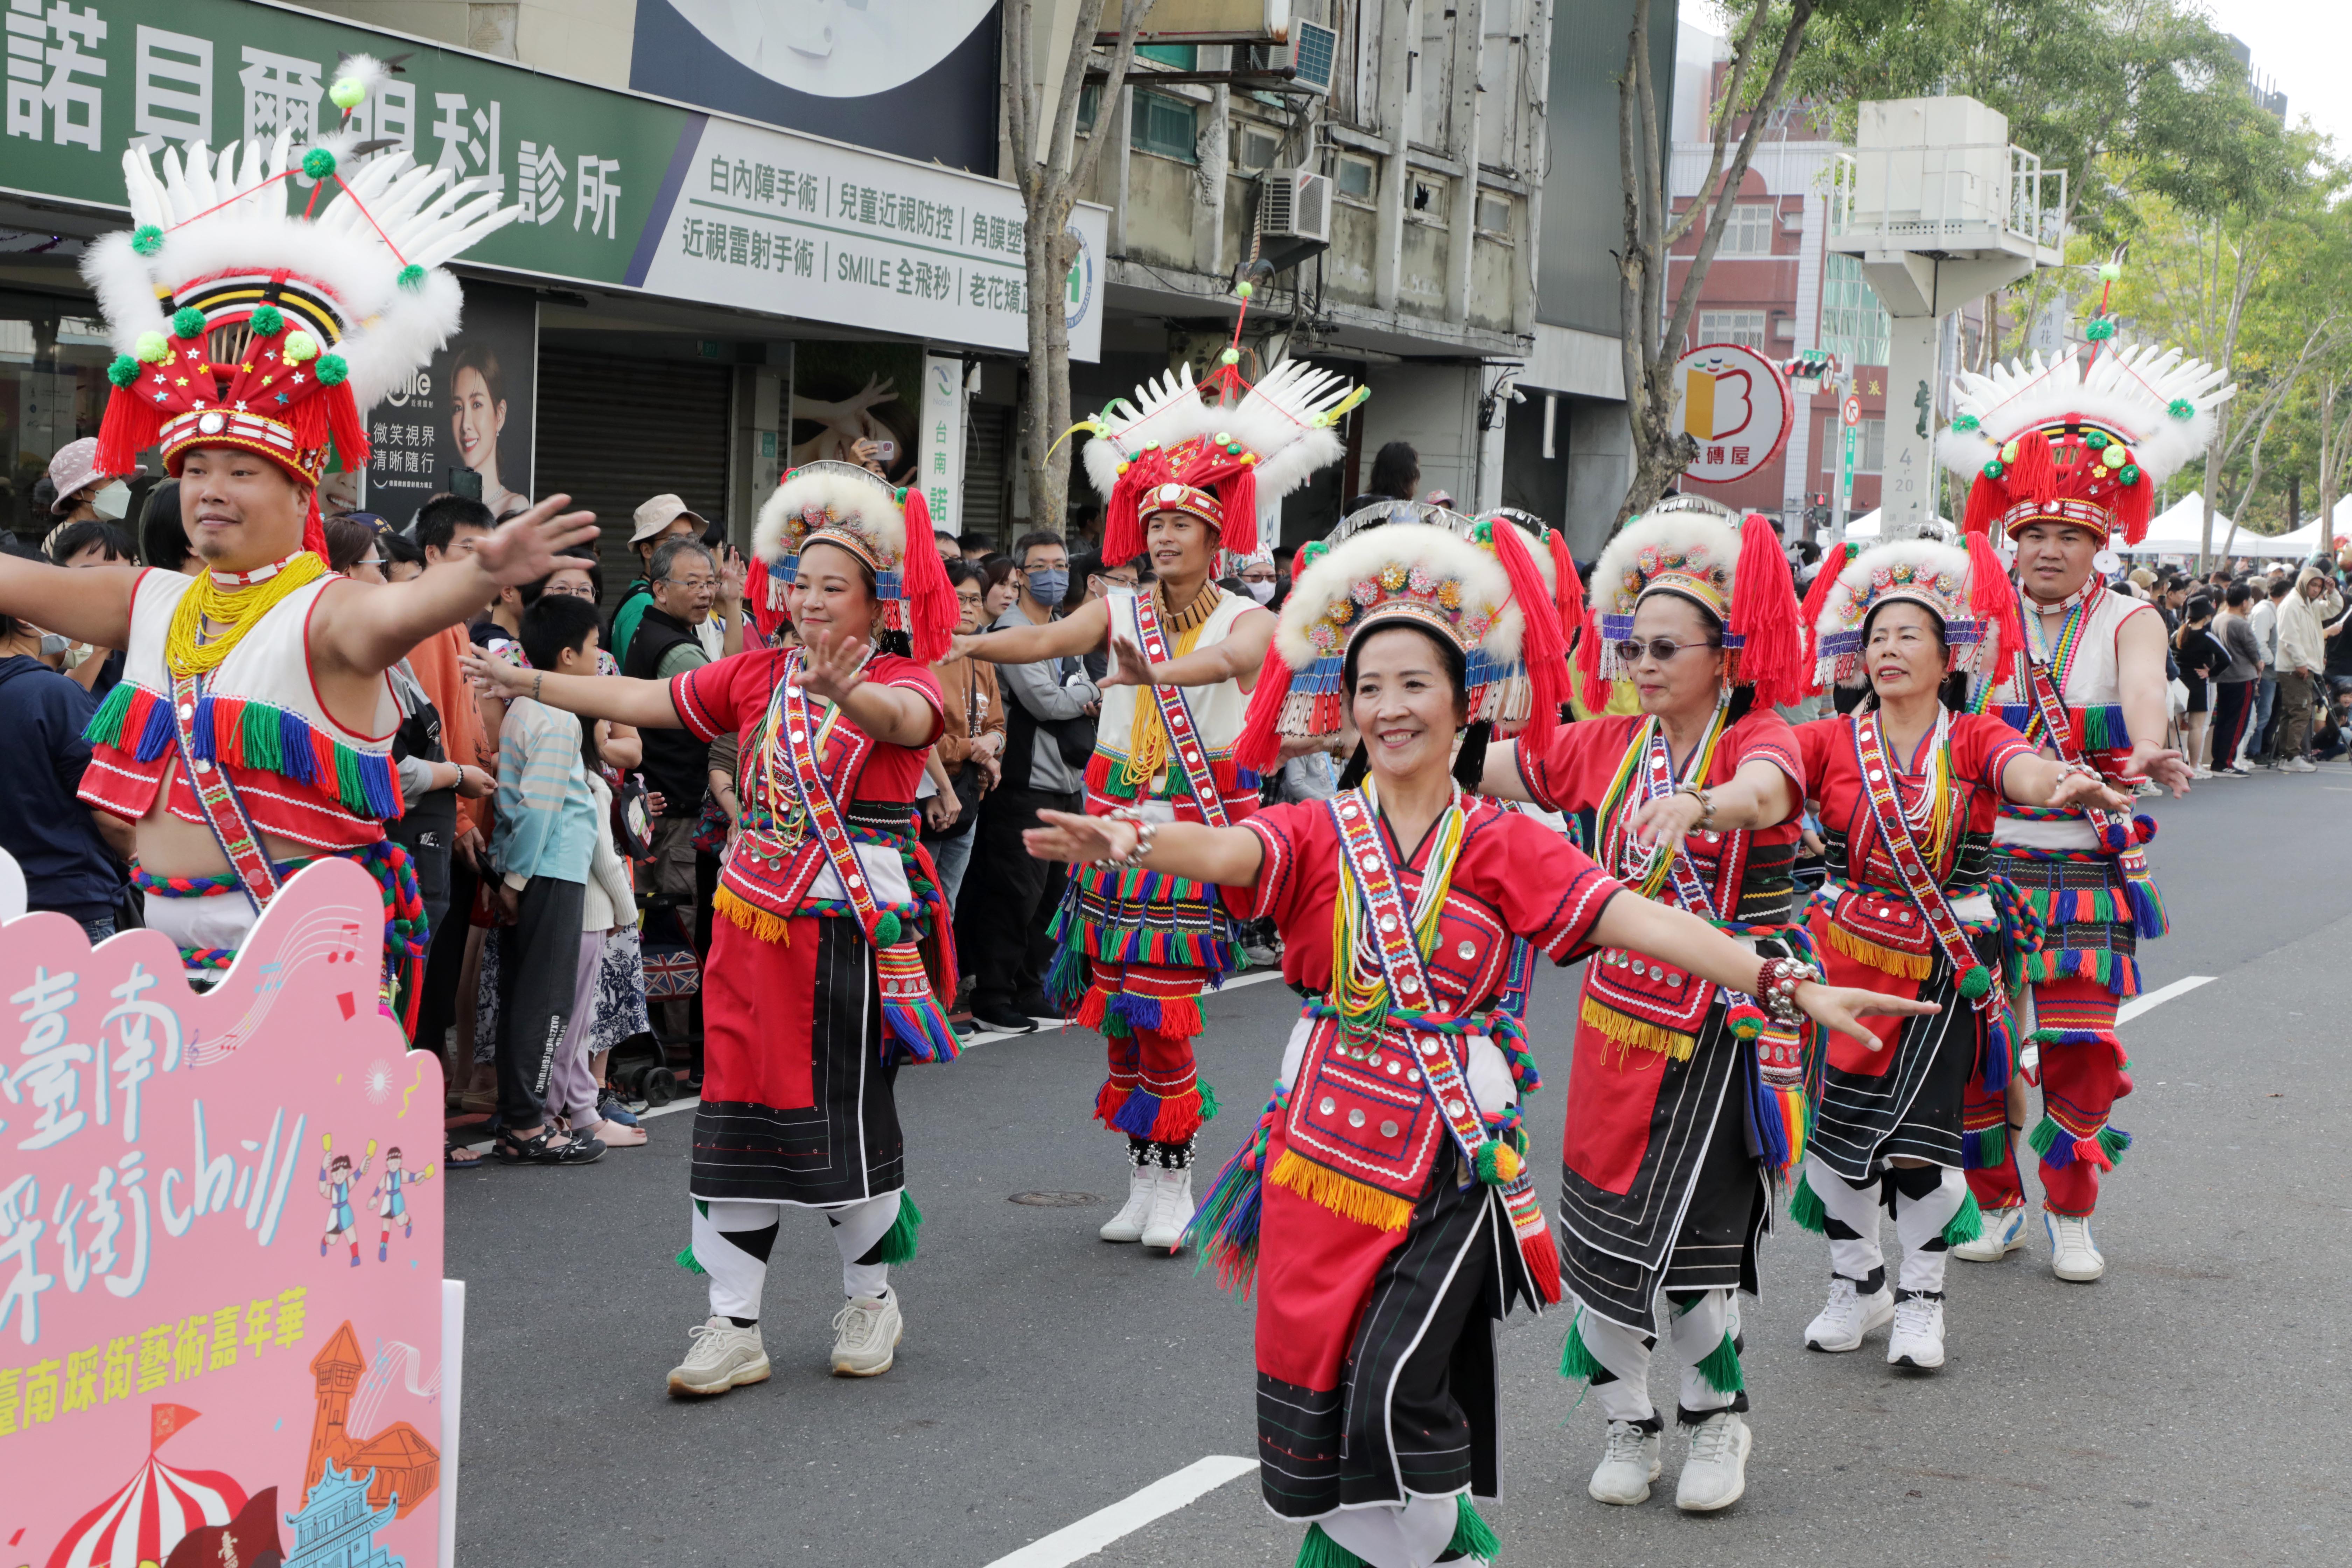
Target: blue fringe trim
[
  {"x": 923, "y": 1030},
  {"x": 2000, "y": 1051}
]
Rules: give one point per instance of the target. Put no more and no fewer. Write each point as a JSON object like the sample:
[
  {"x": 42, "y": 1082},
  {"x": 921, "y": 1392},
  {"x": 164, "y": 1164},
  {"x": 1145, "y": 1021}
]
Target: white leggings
[
  {"x": 1919, "y": 1222},
  {"x": 732, "y": 1239},
  {"x": 1396, "y": 1535},
  {"x": 1695, "y": 1333}
]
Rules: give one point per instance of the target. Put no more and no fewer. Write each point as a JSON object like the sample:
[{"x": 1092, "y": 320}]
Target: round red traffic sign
[{"x": 1853, "y": 410}]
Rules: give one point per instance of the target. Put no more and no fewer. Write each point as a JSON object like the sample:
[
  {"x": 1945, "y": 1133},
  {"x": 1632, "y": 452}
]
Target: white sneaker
[
  {"x": 721, "y": 1356},
  {"x": 1715, "y": 1470},
  {"x": 1171, "y": 1209},
  {"x": 2003, "y": 1233},
  {"x": 1628, "y": 1465},
  {"x": 865, "y": 1335},
  {"x": 2298, "y": 766},
  {"x": 1126, "y": 1224},
  {"x": 2072, "y": 1255},
  {"x": 1849, "y": 1317},
  {"x": 1919, "y": 1337}
]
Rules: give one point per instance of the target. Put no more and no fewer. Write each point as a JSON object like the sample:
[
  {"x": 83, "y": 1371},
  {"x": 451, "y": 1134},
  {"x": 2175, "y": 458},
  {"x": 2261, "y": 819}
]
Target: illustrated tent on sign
[{"x": 142, "y": 1521}]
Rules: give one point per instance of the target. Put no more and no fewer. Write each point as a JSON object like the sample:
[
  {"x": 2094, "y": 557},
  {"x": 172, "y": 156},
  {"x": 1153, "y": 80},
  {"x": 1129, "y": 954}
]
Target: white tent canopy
[
  {"x": 1867, "y": 528},
  {"x": 2179, "y": 530}
]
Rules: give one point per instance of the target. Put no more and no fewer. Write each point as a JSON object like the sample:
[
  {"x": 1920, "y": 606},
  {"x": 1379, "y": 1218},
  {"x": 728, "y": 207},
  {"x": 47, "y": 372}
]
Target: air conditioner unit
[
  {"x": 1313, "y": 55},
  {"x": 1295, "y": 203}
]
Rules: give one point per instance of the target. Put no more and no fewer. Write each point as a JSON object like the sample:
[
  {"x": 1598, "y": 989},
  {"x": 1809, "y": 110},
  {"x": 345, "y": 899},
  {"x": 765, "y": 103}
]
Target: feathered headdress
[
  {"x": 1172, "y": 452},
  {"x": 237, "y": 323},
  {"x": 1739, "y": 578},
  {"x": 1942, "y": 577},
  {"x": 844, "y": 505},
  {"x": 1491, "y": 593},
  {"x": 2087, "y": 438}
]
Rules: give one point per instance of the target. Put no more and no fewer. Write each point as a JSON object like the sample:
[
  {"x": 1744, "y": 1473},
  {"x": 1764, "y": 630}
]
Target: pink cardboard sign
[{"x": 220, "y": 1250}]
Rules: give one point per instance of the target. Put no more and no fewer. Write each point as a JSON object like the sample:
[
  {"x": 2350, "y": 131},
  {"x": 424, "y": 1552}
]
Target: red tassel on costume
[
  {"x": 1122, "y": 527},
  {"x": 1987, "y": 501},
  {"x": 131, "y": 425},
  {"x": 1764, "y": 614},
  {"x": 931, "y": 609},
  {"x": 1543, "y": 648},
  {"x": 2035, "y": 475},
  {"x": 1238, "y": 497},
  {"x": 314, "y": 534},
  {"x": 2133, "y": 505},
  {"x": 2091, "y": 1150},
  {"x": 1541, "y": 1254},
  {"x": 1994, "y": 602},
  {"x": 1259, "y": 745},
  {"x": 1817, "y": 601},
  {"x": 1568, "y": 594},
  {"x": 345, "y": 423}
]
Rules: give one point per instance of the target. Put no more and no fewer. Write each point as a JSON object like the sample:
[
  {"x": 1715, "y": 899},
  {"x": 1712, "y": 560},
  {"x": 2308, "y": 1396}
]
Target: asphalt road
[{"x": 2176, "y": 1411}]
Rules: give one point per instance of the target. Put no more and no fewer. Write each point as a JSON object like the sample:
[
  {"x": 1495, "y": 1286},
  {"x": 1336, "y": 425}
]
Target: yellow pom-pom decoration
[
  {"x": 1245, "y": 290},
  {"x": 1230, "y": 356},
  {"x": 2008, "y": 453},
  {"x": 347, "y": 94}
]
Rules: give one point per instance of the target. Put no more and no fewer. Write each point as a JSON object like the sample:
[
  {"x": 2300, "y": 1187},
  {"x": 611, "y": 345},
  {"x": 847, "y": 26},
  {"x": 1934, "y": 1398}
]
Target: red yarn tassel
[
  {"x": 1238, "y": 497},
  {"x": 1988, "y": 499},
  {"x": 2134, "y": 504},
  {"x": 1543, "y": 647},
  {"x": 1259, "y": 746},
  {"x": 131, "y": 425},
  {"x": 757, "y": 594},
  {"x": 1122, "y": 528},
  {"x": 2035, "y": 475},
  {"x": 1568, "y": 595},
  {"x": 931, "y": 609},
  {"x": 314, "y": 529},
  {"x": 1817, "y": 599},
  {"x": 345, "y": 423},
  {"x": 1764, "y": 614},
  {"x": 1994, "y": 602}
]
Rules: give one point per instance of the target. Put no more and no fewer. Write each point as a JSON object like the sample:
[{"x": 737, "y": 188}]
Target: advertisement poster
[
  {"x": 220, "y": 1250},
  {"x": 464, "y": 420},
  {"x": 845, "y": 393},
  {"x": 917, "y": 77},
  {"x": 1731, "y": 401}
]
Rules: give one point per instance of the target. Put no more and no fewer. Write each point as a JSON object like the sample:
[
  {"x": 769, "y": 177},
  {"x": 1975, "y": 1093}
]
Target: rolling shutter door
[
  {"x": 614, "y": 432},
  {"x": 987, "y": 454}
]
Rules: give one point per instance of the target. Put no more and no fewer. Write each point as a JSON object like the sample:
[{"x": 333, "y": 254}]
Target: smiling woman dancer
[
  {"x": 1395, "y": 1222},
  {"x": 1684, "y": 1102},
  {"x": 817, "y": 987},
  {"x": 1908, "y": 790}
]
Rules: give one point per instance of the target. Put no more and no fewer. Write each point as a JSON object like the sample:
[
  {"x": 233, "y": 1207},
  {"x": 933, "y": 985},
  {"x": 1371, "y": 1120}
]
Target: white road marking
[
  {"x": 2138, "y": 1004},
  {"x": 1129, "y": 1514}
]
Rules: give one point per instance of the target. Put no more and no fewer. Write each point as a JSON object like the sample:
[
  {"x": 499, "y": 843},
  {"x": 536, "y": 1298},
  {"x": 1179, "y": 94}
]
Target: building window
[
  {"x": 1164, "y": 125},
  {"x": 1256, "y": 146},
  {"x": 1870, "y": 446},
  {"x": 1183, "y": 57},
  {"x": 1089, "y": 106},
  {"x": 1854, "y": 324},
  {"x": 1428, "y": 197},
  {"x": 1494, "y": 214},
  {"x": 1748, "y": 231},
  {"x": 1355, "y": 177},
  {"x": 1745, "y": 327}
]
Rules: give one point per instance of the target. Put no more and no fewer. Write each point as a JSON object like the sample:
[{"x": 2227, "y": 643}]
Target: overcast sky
[{"x": 2300, "y": 47}]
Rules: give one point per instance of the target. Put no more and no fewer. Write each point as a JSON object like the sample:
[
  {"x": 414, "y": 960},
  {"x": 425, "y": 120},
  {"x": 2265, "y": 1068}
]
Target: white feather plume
[
  {"x": 1277, "y": 419},
  {"x": 2130, "y": 389}
]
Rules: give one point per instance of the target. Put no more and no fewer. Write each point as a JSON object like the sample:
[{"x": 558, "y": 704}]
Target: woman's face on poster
[{"x": 475, "y": 420}]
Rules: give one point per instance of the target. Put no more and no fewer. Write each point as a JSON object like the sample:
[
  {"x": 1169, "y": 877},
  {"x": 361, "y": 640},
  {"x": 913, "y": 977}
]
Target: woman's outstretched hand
[
  {"x": 494, "y": 677},
  {"x": 831, "y": 668},
  {"x": 2088, "y": 789},
  {"x": 1842, "y": 1009},
  {"x": 1080, "y": 839}
]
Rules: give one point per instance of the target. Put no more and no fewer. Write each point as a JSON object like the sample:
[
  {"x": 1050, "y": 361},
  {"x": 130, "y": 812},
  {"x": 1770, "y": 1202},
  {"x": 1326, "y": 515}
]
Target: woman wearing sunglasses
[
  {"x": 1685, "y": 1099},
  {"x": 1909, "y": 786}
]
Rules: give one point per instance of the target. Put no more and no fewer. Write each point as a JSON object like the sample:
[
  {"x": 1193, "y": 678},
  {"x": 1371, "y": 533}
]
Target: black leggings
[
  {"x": 2234, "y": 707},
  {"x": 539, "y": 978}
]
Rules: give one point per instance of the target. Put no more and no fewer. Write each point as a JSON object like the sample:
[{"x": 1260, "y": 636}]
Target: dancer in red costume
[
  {"x": 2066, "y": 456},
  {"x": 1383, "y": 1209}
]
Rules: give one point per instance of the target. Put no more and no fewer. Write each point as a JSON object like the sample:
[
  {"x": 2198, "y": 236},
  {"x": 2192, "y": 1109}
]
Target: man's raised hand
[{"x": 525, "y": 549}]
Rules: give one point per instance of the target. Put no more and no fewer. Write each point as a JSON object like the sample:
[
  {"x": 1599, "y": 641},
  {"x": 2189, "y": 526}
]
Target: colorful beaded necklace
[
  {"x": 1359, "y": 986},
  {"x": 1625, "y": 857},
  {"x": 234, "y": 602}
]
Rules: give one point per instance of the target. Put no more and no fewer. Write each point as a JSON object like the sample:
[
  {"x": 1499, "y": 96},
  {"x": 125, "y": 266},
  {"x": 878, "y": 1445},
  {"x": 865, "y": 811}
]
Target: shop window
[
  {"x": 1164, "y": 125},
  {"x": 53, "y": 390},
  {"x": 1256, "y": 146},
  {"x": 1355, "y": 177},
  {"x": 1748, "y": 231}
]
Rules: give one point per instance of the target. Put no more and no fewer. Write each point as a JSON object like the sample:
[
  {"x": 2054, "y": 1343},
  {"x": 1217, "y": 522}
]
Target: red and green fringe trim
[
  {"x": 1966, "y": 1226},
  {"x": 1106, "y": 776},
  {"x": 1224, "y": 1231},
  {"x": 2119, "y": 972},
  {"x": 1985, "y": 1149},
  {"x": 1139, "y": 1113},
  {"x": 1319, "y": 1551},
  {"x": 252, "y": 735},
  {"x": 2060, "y": 1148}
]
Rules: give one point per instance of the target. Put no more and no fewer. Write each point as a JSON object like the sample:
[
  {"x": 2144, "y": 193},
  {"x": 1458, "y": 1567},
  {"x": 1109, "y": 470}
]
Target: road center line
[
  {"x": 2138, "y": 1004},
  {"x": 1129, "y": 1514}
]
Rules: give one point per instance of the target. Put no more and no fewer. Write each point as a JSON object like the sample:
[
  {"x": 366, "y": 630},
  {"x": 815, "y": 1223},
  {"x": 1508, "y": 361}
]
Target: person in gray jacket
[{"x": 1009, "y": 898}]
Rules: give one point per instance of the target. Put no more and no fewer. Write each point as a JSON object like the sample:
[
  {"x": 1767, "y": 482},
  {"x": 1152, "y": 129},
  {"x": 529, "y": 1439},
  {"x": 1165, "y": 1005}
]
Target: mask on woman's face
[
  {"x": 1262, "y": 592},
  {"x": 112, "y": 501}
]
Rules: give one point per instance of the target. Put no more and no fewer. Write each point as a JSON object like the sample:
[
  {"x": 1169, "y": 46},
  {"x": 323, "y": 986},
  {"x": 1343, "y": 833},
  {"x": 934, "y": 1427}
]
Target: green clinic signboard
[{"x": 610, "y": 187}]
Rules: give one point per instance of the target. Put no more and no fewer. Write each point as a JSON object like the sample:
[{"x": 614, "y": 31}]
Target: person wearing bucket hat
[
  {"x": 1687, "y": 1104},
  {"x": 1383, "y": 1209},
  {"x": 1907, "y": 789},
  {"x": 1184, "y": 482},
  {"x": 833, "y": 943},
  {"x": 250, "y": 732},
  {"x": 654, "y": 524},
  {"x": 85, "y": 489},
  {"x": 2065, "y": 456}
]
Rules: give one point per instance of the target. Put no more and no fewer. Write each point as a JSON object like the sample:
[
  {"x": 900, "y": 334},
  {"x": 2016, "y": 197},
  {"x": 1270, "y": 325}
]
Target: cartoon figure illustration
[
  {"x": 391, "y": 1203},
  {"x": 336, "y": 1180}
]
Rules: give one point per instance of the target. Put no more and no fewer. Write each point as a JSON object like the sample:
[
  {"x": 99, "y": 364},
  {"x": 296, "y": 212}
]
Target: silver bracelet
[
  {"x": 1776, "y": 990},
  {"x": 1145, "y": 832}
]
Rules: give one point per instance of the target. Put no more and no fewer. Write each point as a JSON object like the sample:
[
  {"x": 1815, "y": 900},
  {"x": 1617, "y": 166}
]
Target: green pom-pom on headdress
[
  {"x": 317, "y": 162},
  {"x": 147, "y": 240},
  {"x": 1993, "y": 469},
  {"x": 268, "y": 322},
  {"x": 1965, "y": 423},
  {"x": 2129, "y": 474},
  {"x": 187, "y": 321},
  {"x": 412, "y": 276},
  {"x": 332, "y": 370},
  {"x": 2182, "y": 409},
  {"x": 886, "y": 929},
  {"x": 2100, "y": 329},
  {"x": 123, "y": 370}
]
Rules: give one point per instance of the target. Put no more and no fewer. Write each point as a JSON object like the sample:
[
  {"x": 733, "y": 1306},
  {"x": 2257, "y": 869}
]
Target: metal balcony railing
[{"x": 1948, "y": 198}]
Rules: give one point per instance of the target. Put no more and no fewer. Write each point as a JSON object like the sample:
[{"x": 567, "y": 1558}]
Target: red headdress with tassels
[
  {"x": 1491, "y": 593},
  {"x": 238, "y": 322},
  {"x": 844, "y": 505},
  {"x": 1738, "y": 577},
  {"x": 1948, "y": 581},
  {"x": 1218, "y": 449}
]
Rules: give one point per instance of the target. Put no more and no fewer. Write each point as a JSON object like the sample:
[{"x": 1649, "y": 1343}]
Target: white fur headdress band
[
  {"x": 1923, "y": 571},
  {"x": 1738, "y": 576},
  {"x": 856, "y": 509},
  {"x": 1501, "y": 596},
  {"x": 239, "y": 324}
]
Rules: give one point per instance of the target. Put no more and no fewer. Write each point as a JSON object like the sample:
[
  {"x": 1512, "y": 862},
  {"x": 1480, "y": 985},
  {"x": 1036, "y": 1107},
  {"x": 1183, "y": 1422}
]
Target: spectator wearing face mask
[
  {"x": 85, "y": 493},
  {"x": 1258, "y": 578},
  {"x": 86, "y": 543}
]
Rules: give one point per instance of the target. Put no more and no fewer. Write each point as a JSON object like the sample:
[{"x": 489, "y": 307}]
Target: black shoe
[
  {"x": 1004, "y": 1018},
  {"x": 1036, "y": 1006}
]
